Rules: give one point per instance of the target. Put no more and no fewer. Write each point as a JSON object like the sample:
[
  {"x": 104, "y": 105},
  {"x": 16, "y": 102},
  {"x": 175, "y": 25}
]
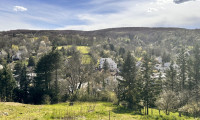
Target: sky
[{"x": 97, "y": 14}]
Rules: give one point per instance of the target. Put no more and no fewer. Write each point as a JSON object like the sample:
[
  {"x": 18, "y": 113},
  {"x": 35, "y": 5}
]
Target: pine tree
[
  {"x": 9, "y": 58},
  {"x": 31, "y": 62},
  {"x": 190, "y": 70},
  {"x": 24, "y": 83},
  {"x": 196, "y": 74},
  {"x": 7, "y": 84},
  {"x": 45, "y": 67},
  {"x": 31, "y": 65},
  {"x": 105, "y": 66},
  {"x": 127, "y": 88},
  {"x": 182, "y": 62},
  {"x": 17, "y": 70},
  {"x": 148, "y": 83},
  {"x": 158, "y": 86},
  {"x": 171, "y": 82},
  {"x": 56, "y": 65}
]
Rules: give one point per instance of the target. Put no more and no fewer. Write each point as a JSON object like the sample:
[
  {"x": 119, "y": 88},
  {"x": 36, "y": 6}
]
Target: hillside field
[
  {"x": 79, "y": 111},
  {"x": 84, "y": 50}
]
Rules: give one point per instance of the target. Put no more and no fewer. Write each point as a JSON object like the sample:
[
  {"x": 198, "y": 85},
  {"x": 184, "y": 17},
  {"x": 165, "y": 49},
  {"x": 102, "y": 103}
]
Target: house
[
  {"x": 161, "y": 67},
  {"x": 17, "y": 56},
  {"x": 31, "y": 75},
  {"x": 165, "y": 66},
  {"x": 112, "y": 65},
  {"x": 157, "y": 75},
  {"x": 159, "y": 59},
  {"x": 138, "y": 63}
]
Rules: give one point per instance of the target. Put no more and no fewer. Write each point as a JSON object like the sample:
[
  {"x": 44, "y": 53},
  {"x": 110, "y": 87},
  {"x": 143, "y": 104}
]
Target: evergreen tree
[
  {"x": 24, "y": 84},
  {"x": 171, "y": 82},
  {"x": 148, "y": 83},
  {"x": 190, "y": 70},
  {"x": 31, "y": 62},
  {"x": 158, "y": 85},
  {"x": 127, "y": 88},
  {"x": 182, "y": 60},
  {"x": 31, "y": 65},
  {"x": 7, "y": 83},
  {"x": 105, "y": 66},
  {"x": 17, "y": 70},
  {"x": 44, "y": 69},
  {"x": 9, "y": 58},
  {"x": 196, "y": 74},
  {"x": 56, "y": 65}
]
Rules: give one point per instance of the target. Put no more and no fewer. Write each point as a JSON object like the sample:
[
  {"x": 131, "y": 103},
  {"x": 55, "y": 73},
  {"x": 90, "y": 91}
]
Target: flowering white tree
[{"x": 167, "y": 101}]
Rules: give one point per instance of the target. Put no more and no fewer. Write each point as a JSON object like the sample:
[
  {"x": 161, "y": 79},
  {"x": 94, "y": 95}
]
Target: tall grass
[{"x": 80, "y": 111}]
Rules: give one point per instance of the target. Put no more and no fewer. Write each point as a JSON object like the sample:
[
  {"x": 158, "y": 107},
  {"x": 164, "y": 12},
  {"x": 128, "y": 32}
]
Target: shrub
[
  {"x": 46, "y": 99},
  {"x": 108, "y": 96}
]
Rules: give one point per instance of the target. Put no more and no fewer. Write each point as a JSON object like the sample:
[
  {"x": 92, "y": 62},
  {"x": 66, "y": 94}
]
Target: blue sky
[{"x": 98, "y": 14}]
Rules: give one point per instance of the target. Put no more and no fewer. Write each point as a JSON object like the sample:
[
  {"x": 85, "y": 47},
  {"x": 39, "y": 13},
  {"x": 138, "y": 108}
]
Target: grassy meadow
[
  {"x": 84, "y": 50},
  {"x": 79, "y": 111}
]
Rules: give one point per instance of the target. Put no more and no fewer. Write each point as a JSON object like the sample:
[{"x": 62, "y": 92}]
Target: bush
[
  {"x": 73, "y": 97},
  {"x": 46, "y": 99},
  {"x": 84, "y": 96},
  {"x": 193, "y": 108},
  {"x": 64, "y": 98},
  {"x": 106, "y": 96}
]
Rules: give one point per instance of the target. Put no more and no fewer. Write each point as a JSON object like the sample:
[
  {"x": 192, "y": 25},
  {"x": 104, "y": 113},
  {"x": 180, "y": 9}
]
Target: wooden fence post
[{"x": 109, "y": 114}]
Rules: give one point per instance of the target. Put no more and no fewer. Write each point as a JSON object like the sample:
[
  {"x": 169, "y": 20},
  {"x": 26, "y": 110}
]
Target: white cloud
[
  {"x": 153, "y": 13},
  {"x": 152, "y": 10},
  {"x": 13, "y": 22},
  {"x": 19, "y": 8},
  {"x": 102, "y": 14}
]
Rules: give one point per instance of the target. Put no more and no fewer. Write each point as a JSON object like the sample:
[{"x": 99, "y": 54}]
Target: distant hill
[{"x": 156, "y": 40}]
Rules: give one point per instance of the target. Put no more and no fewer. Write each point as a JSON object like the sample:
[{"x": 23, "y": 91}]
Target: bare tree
[{"x": 76, "y": 73}]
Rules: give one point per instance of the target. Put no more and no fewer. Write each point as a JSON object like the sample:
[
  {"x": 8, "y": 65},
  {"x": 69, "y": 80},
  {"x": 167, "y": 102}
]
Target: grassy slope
[
  {"x": 84, "y": 50},
  {"x": 80, "y": 111}
]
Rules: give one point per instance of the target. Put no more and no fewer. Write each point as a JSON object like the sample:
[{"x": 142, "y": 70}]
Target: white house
[
  {"x": 165, "y": 66},
  {"x": 112, "y": 65},
  {"x": 17, "y": 56}
]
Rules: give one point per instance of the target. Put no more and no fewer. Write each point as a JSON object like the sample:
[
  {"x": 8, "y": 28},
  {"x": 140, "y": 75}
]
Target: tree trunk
[
  {"x": 159, "y": 111},
  {"x": 147, "y": 107},
  {"x": 79, "y": 86}
]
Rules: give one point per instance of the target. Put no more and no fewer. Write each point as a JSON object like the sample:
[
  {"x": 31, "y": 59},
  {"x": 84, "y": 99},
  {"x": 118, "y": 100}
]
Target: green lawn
[{"x": 79, "y": 111}]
